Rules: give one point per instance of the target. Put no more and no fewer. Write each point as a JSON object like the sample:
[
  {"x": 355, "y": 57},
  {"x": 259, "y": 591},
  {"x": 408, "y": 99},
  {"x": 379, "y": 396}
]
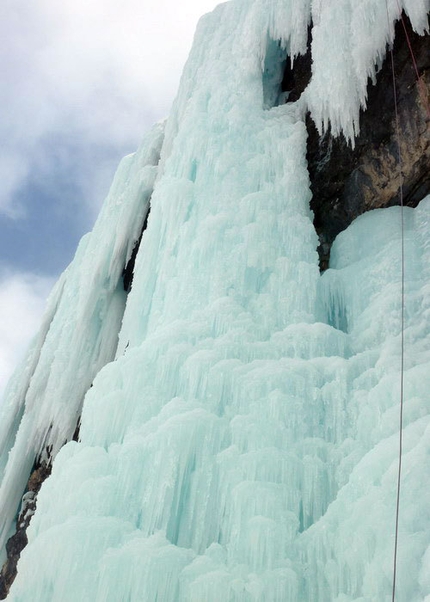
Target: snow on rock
[{"x": 240, "y": 438}]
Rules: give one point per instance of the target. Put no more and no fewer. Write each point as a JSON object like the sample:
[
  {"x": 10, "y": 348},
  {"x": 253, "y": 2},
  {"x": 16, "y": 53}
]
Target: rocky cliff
[{"x": 348, "y": 181}]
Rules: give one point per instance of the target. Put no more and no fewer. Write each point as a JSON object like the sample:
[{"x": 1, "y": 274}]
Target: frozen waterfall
[{"x": 238, "y": 411}]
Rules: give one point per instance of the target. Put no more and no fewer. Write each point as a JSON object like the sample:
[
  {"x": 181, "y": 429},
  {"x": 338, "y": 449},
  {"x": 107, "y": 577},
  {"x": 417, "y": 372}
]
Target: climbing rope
[
  {"x": 424, "y": 99},
  {"x": 402, "y": 335},
  {"x": 402, "y": 317},
  {"x": 420, "y": 82}
]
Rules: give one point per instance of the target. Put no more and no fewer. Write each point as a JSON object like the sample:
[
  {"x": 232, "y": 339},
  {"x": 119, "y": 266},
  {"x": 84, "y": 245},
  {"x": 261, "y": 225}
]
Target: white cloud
[
  {"x": 99, "y": 70},
  {"x": 22, "y": 302}
]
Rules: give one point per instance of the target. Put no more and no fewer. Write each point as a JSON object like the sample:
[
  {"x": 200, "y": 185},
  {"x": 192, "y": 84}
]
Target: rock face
[
  {"x": 347, "y": 181},
  {"x": 19, "y": 540},
  {"x": 127, "y": 274}
]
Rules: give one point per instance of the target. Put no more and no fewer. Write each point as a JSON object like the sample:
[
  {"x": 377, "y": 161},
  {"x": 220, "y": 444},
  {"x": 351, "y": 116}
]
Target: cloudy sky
[{"x": 81, "y": 81}]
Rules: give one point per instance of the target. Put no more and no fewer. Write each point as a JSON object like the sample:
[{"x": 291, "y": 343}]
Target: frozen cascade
[
  {"x": 79, "y": 335},
  {"x": 242, "y": 446}
]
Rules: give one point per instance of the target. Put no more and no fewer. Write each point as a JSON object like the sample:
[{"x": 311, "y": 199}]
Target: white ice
[{"x": 240, "y": 439}]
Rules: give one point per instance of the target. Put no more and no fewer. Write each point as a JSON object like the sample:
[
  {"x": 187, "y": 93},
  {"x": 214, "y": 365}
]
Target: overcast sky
[{"x": 80, "y": 82}]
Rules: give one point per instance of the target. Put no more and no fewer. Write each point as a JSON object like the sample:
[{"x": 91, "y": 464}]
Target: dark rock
[
  {"x": 128, "y": 272},
  {"x": 77, "y": 429},
  {"x": 347, "y": 181},
  {"x": 18, "y": 541},
  {"x": 298, "y": 75}
]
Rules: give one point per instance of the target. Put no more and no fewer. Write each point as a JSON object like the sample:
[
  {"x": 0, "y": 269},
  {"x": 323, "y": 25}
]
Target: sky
[{"x": 80, "y": 83}]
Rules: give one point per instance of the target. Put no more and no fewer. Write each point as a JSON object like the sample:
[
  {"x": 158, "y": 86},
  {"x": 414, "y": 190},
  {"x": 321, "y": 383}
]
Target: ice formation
[{"x": 239, "y": 411}]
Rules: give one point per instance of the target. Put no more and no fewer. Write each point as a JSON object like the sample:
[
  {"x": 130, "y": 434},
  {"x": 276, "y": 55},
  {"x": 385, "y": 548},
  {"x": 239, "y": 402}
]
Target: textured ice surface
[
  {"x": 79, "y": 334},
  {"x": 242, "y": 445}
]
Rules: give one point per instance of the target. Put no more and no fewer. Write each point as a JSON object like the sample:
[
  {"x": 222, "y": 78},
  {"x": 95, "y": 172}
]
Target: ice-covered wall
[
  {"x": 79, "y": 334},
  {"x": 243, "y": 444}
]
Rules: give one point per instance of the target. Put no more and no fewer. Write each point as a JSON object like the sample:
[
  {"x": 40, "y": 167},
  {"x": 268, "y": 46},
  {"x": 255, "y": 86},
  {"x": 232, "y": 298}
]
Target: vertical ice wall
[
  {"x": 246, "y": 431},
  {"x": 79, "y": 336},
  {"x": 350, "y": 549}
]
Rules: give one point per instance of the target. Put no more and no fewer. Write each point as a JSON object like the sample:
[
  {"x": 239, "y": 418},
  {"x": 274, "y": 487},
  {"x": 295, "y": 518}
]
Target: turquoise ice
[{"x": 239, "y": 411}]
